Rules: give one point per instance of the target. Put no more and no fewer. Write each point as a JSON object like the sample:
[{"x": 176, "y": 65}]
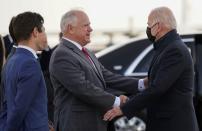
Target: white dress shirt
[{"x": 141, "y": 87}]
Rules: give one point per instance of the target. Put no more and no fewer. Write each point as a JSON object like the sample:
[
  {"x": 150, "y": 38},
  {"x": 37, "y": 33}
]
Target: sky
[{"x": 104, "y": 14}]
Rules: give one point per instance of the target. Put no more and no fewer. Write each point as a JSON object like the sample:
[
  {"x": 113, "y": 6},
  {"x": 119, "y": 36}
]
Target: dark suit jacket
[
  {"x": 44, "y": 62},
  {"x": 25, "y": 93},
  {"x": 8, "y": 44},
  {"x": 80, "y": 96},
  {"x": 170, "y": 93},
  {"x": 2, "y": 53}
]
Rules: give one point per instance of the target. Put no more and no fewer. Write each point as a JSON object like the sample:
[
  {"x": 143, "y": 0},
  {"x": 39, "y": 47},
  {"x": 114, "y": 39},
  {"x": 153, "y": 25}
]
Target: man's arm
[
  {"x": 71, "y": 75},
  {"x": 119, "y": 82},
  {"x": 166, "y": 75},
  {"x": 123, "y": 83}
]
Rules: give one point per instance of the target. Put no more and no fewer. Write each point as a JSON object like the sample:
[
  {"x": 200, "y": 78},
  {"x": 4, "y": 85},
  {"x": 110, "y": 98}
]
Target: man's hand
[
  {"x": 50, "y": 125},
  {"x": 123, "y": 99},
  {"x": 51, "y": 129},
  {"x": 111, "y": 114}
]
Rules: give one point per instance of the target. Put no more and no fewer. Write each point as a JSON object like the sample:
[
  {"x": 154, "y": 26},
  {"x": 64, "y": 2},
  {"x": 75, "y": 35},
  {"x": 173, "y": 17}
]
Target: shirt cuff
[
  {"x": 141, "y": 86},
  {"x": 117, "y": 102}
]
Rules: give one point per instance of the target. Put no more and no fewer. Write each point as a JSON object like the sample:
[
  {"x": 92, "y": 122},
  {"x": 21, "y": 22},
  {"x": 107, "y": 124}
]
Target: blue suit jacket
[{"x": 25, "y": 93}]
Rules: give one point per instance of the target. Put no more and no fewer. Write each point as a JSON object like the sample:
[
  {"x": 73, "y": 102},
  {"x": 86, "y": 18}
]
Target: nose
[{"x": 90, "y": 29}]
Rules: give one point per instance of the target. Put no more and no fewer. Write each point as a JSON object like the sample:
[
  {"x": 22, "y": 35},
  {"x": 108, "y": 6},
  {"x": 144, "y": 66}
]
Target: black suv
[{"x": 133, "y": 59}]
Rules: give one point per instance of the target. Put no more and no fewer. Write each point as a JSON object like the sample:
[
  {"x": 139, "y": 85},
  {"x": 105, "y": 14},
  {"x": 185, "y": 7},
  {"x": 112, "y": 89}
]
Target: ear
[
  {"x": 70, "y": 29},
  {"x": 159, "y": 27},
  {"x": 35, "y": 32}
]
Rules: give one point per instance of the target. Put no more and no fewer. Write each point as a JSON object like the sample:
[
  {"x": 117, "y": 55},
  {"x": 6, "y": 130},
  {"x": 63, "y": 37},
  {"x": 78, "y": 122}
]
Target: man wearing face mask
[{"x": 169, "y": 97}]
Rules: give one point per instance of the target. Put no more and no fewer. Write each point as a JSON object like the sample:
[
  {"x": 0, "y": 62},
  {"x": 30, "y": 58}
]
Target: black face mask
[{"x": 149, "y": 35}]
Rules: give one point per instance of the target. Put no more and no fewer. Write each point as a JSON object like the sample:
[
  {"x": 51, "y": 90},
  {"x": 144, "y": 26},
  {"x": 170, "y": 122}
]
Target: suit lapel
[
  {"x": 80, "y": 53},
  {"x": 157, "y": 55},
  {"x": 97, "y": 64}
]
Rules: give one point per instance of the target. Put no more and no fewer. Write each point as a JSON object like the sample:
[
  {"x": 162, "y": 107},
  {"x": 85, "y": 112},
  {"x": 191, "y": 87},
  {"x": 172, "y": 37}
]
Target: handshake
[
  {"x": 123, "y": 99},
  {"x": 115, "y": 111}
]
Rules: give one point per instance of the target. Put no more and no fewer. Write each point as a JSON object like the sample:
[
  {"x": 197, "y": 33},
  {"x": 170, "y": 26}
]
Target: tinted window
[
  {"x": 143, "y": 66},
  {"x": 118, "y": 60}
]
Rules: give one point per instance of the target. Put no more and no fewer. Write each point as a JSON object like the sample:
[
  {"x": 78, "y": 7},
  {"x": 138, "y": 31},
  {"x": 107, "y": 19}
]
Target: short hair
[
  {"x": 60, "y": 35},
  {"x": 24, "y": 24},
  {"x": 165, "y": 16},
  {"x": 10, "y": 28},
  {"x": 69, "y": 18}
]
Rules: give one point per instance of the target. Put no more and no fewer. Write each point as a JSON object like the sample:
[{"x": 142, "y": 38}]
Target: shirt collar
[
  {"x": 29, "y": 49},
  {"x": 73, "y": 42},
  {"x": 167, "y": 38}
]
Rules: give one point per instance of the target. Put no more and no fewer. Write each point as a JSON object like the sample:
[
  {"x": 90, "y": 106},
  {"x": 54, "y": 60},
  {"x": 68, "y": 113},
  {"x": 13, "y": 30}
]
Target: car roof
[{"x": 185, "y": 38}]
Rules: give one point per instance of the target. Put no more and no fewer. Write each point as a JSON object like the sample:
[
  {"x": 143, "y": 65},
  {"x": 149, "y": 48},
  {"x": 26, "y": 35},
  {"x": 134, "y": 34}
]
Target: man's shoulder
[
  {"x": 21, "y": 60},
  {"x": 176, "y": 45},
  {"x": 62, "y": 50},
  {"x": 180, "y": 46}
]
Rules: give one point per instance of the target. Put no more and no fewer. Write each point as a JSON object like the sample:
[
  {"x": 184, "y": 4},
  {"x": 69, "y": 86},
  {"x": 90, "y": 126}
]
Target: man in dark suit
[
  {"x": 169, "y": 96},
  {"x": 80, "y": 81},
  {"x": 25, "y": 91},
  {"x": 44, "y": 62}
]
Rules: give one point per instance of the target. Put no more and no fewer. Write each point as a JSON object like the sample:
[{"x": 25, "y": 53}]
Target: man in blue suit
[{"x": 25, "y": 90}]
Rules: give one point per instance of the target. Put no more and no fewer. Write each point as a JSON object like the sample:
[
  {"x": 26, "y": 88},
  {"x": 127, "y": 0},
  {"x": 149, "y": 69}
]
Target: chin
[
  {"x": 88, "y": 41},
  {"x": 42, "y": 48}
]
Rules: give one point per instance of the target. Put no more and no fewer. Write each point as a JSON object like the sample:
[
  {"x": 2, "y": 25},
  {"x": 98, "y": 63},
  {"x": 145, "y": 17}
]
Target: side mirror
[{"x": 134, "y": 124}]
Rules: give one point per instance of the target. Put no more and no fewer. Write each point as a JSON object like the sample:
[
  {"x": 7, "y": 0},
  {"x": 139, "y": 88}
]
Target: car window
[
  {"x": 143, "y": 66},
  {"x": 118, "y": 60}
]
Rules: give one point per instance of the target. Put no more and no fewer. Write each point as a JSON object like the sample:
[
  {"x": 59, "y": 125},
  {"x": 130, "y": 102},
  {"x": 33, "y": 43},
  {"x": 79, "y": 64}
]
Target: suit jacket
[
  {"x": 2, "y": 54},
  {"x": 44, "y": 62},
  {"x": 8, "y": 44},
  {"x": 25, "y": 93},
  {"x": 80, "y": 89},
  {"x": 169, "y": 98}
]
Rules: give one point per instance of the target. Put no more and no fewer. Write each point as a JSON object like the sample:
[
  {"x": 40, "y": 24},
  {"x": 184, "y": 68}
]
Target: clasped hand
[{"x": 116, "y": 111}]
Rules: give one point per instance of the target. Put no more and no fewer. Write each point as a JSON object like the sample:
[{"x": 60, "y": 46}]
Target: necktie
[
  {"x": 87, "y": 55},
  {"x": 84, "y": 50}
]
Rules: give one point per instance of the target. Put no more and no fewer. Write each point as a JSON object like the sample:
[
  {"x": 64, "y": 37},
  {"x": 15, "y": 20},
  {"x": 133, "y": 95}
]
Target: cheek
[
  {"x": 153, "y": 32},
  {"x": 43, "y": 41},
  {"x": 44, "y": 38}
]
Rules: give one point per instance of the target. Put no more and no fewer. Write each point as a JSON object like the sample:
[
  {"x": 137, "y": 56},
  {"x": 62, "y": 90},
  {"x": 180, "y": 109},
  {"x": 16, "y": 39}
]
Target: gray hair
[
  {"x": 165, "y": 16},
  {"x": 68, "y": 18}
]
